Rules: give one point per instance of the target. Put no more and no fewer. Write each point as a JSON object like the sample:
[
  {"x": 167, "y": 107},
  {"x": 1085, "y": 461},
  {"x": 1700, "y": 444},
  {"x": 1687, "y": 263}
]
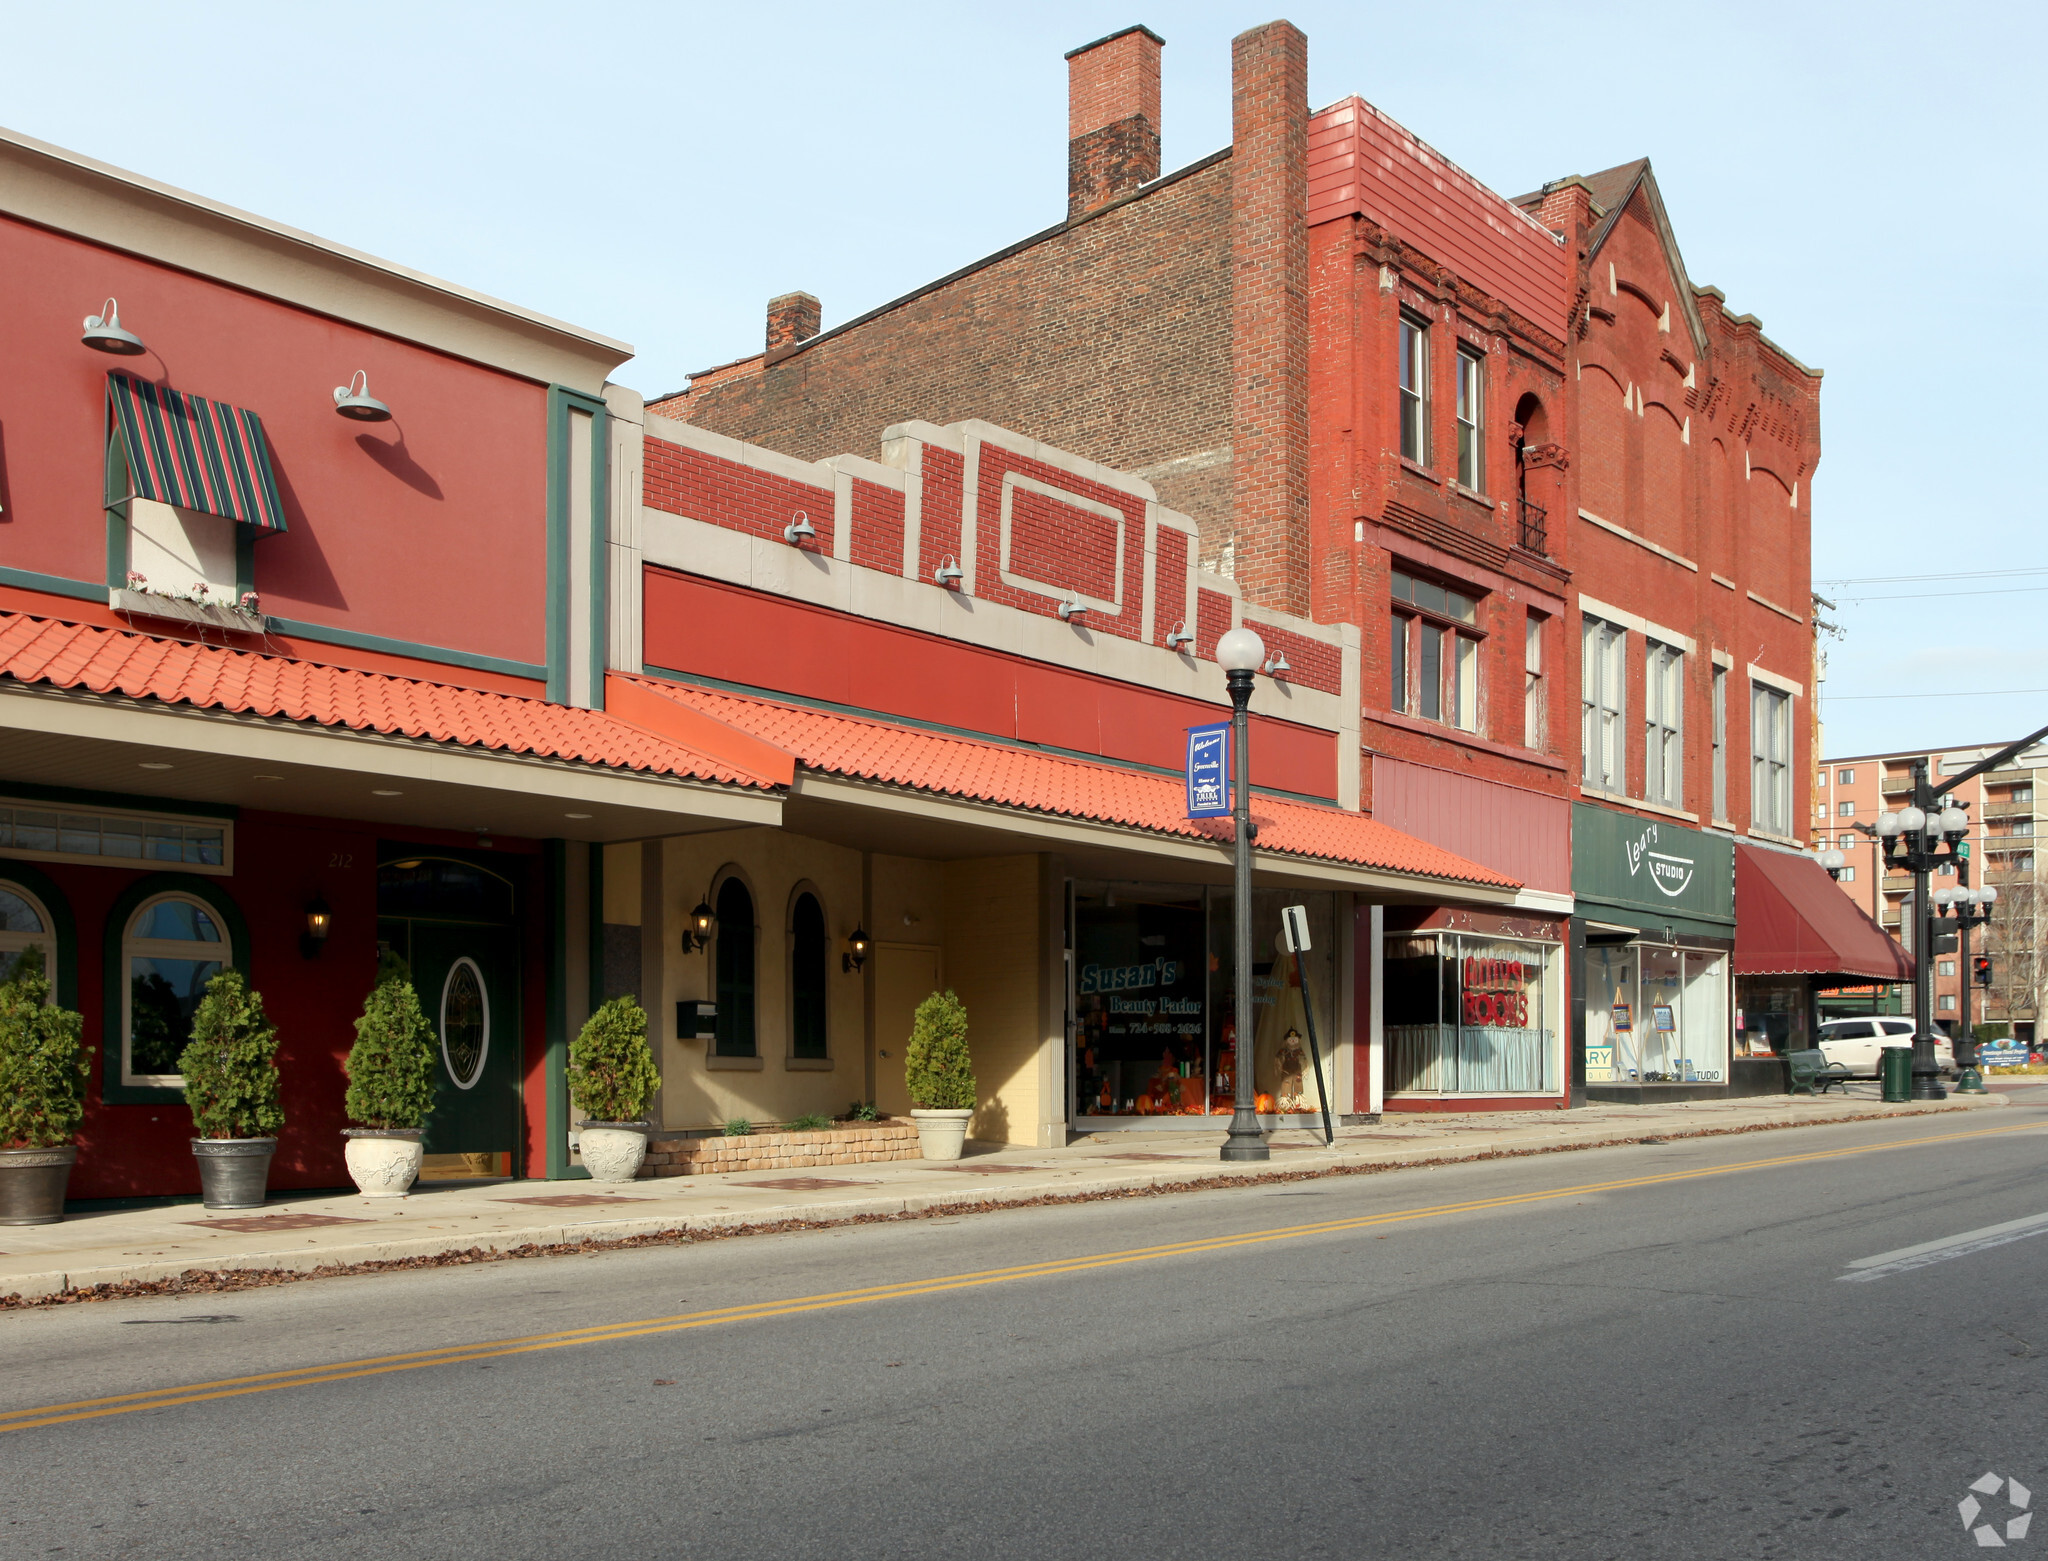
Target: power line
[
  {"x": 1921, "y": 596},
  {"x": 1973, "y": 574},
  {"x": 1972, "y": 693}
]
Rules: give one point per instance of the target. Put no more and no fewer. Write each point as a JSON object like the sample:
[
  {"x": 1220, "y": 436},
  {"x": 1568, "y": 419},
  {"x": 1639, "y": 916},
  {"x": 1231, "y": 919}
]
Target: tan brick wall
[{"x": 851, "y": 1145}]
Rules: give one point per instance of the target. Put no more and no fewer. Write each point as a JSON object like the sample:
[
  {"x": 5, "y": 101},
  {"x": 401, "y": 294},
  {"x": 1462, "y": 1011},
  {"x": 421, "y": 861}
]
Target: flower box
[{"x": 179, "y": 609}]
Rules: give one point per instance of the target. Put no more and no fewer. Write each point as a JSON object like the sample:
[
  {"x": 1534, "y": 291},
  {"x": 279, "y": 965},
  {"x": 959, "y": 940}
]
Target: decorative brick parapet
[{"x": 863, "y": 1143}]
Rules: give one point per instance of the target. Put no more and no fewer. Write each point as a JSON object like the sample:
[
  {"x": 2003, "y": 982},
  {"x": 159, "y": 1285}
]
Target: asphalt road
[{"x": 1624, "y": 1353}]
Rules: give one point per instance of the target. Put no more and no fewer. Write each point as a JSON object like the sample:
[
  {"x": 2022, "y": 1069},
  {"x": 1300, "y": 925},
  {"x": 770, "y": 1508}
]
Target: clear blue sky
[{"x": 1865, "y": 178}]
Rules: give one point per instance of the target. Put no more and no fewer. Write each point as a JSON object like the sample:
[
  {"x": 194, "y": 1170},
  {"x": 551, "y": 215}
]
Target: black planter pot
[
  {"x": 32, "y": 1183},
  {"x": 234, "y": 1173}
]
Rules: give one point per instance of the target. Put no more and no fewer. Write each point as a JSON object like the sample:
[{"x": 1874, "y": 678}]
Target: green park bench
[{"x": 1811, "y": 1068}]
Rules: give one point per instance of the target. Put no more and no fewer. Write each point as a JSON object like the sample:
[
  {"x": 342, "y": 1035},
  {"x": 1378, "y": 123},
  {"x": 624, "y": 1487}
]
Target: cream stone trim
[
  {"x": 79, "y": 195},
  {"x": 1546, "y": 900},
  {"x": 1772, "y": 606},
  {"x": 1721, "y": 580},
  {"x": 1776, "y": 680},
  {"x": 1641, "y": 625},
  {"x": 1640, "y": 541}
]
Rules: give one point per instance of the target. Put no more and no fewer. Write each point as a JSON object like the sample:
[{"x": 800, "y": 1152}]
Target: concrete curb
[{"x": 563, "y": 1237}]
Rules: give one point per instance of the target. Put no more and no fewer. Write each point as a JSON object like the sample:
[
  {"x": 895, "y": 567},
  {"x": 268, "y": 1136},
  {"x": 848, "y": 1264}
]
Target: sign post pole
[{"x": 1294, "y": 923}]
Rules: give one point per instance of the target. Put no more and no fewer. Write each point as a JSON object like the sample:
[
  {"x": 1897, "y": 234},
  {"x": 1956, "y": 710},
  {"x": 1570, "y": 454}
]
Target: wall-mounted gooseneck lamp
[
  {"x": 103, "y": 333},
  {"x": 355, "y": 402},
  {"x": 1276, "y": 666},
  {"x": 319, "y": 922},
  {"x": 856, "y": 954},
  {"x": 949, "y": 573},
  {"x": 1071, "y": 611},
  {"x": 697, "y": 930},
  {"x": 799, "y": 530},
  {"x": 1178, "y": 636}
]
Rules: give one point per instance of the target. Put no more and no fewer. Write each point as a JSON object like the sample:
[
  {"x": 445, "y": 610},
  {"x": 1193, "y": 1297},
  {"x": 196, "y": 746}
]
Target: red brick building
[{"x": 1544, "y": 473}]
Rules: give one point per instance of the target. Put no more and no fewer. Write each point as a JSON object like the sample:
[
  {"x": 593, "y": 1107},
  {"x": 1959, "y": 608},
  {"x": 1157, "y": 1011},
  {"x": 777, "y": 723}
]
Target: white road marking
[{"x": 1905, "y": 1259}]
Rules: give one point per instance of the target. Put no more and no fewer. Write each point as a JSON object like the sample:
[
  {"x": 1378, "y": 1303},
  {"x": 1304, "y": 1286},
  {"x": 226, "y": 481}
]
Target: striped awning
[{"x": 195, "y": 453}]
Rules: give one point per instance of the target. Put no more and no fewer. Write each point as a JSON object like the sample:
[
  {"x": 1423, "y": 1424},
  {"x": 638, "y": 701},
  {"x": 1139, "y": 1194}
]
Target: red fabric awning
[{"x": 1791, "y": 919}]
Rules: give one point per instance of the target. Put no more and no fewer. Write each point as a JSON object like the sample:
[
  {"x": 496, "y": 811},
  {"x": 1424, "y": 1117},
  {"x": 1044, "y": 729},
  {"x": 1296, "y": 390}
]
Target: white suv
[{"x": 1855, "y": 1042}]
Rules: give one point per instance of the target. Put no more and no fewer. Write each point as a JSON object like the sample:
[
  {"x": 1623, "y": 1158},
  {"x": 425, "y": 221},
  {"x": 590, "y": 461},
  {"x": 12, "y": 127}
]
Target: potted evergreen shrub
[
  {"x": 390, "y": 1088},
  {"x": 940, "y": 1074},
  {"x": 42, "y": 1094},
  {"x": 231, "y": 1086},
  {"x": 611, "y": 1080}
]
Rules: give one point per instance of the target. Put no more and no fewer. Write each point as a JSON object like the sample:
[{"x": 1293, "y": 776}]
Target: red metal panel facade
[{"x": 1521, "y": 833}]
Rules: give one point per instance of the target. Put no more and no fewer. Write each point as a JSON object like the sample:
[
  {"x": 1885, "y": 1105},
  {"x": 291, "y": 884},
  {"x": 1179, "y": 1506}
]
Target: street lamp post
[
  {"x": 1913, "y": 838},
  {"x": 1965, "y": 908},
  {"x": 1240, "y": 653}
]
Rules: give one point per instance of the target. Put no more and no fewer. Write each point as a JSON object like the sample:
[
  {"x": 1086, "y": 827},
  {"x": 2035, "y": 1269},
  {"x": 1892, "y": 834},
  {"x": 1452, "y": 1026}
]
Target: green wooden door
[{"x": 466, "y": 977}]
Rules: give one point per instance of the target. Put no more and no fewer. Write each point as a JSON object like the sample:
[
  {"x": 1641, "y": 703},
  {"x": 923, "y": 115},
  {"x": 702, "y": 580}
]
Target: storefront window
[
  {"x": 1155, "y": 1030},
  {"x": 173, "y": 948},
  {"x": 24, "y": 925},
  {"x": 734, "y": 961},
  {"x": 1656, "y": 1015},
  {"x": 1773, "y": 1015},
  {"x": 1468, "y": 1015}
]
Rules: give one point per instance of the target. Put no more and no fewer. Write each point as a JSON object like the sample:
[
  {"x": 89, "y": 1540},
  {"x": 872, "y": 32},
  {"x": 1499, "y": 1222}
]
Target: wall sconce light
[
  {"x": 949, "y": 574},
  {"x": 697, "y": 930},
  {"x": 1179, "y": 636},
  {"x": 354, "y": 401},
  {"x": 103, "y": 333},
  {"x": 856, "y": 954},
  {"x": 1276, "y": 664},
  {"x": 319, "y": 921},
  {"x": 799, "y": 530},
  {"x": 1069, "y": 611}
]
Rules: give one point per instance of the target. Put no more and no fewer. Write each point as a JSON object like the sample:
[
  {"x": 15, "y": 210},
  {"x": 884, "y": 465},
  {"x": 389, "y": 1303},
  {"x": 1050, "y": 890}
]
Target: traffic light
[{"x": 1982, "y": 970}]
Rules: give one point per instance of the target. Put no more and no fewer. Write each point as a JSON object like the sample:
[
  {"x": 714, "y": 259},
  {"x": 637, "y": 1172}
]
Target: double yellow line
[{"x": 456, "y": 1355}]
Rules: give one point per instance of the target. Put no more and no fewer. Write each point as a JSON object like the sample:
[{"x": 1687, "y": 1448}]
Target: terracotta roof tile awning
[
  {"x": 1002, "y": 774},
  {"x": 194, "y": 453},
  {"x": 1791, "y": 919},
  {"x": 140, "y": 666}
]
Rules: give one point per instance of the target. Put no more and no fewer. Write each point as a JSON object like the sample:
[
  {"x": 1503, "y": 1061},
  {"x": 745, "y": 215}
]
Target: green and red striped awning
[{"x": 194, "y": 453}]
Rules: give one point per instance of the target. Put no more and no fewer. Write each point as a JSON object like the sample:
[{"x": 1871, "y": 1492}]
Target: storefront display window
[
  {"x": 1155, "y": 1031},
  {"x": 1774, "y": 1015},
  {"x": 1465, "y": 1014},
  {"x": 1656, "y": 1015}
]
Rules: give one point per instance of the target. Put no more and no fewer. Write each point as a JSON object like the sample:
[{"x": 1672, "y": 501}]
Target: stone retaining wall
[{"x": 855, "y": 1144}]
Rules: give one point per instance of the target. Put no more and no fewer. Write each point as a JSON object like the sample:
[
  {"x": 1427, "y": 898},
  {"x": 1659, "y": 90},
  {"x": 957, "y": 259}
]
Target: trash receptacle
[{"x": 1895, "y": 1071}]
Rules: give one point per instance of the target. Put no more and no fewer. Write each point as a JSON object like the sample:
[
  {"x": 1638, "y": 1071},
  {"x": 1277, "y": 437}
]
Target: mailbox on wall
[{"x": 696, "y": 1020}]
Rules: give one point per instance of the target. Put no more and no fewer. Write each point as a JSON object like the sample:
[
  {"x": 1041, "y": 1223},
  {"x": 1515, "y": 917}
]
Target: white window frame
[
  {"x": 1846, "y": 875},
  {"x": 1535, "y": 687},
  {"x": 1770, "y": 760},
  {"x": 13, "y": 943},
  {"x": 1845, "y": 810},
  {"x": 189, "y": 833},
  {"x": 134, "y": 948},
  {"x": 1471, "y": 415},
  {"x": 1420, "y": 631},
  {"x": 1663, "y": 724},
  {"x": 1603, "y": 706},
  {"x": 1845, "y": 777},
  {"x": 1413, "y": 378}
]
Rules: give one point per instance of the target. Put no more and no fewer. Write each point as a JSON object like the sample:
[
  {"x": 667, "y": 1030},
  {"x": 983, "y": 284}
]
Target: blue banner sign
[{"x": 1209, "y": 771}]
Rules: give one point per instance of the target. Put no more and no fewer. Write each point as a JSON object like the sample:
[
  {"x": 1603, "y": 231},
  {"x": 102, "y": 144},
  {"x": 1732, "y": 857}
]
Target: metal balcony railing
[
  {"x": 1535, "y": 527},
  {"x": 1893, "y": 785}
]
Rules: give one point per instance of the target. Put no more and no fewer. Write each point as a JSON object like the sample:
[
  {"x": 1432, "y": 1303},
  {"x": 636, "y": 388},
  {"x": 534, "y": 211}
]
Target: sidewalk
[{"x": 144, "y": 1248}]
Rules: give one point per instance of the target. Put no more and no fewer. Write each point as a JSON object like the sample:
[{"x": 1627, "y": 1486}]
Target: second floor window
[
  {"x": 1471, "y": 419},
  {"x": 1415, "y": 389},
  {"x": 1770, "y": 759},
  {"x": 1535, "y": 689},
  {"x": 1602, "y": 686},
  {"x": 1663, "y": 725},
  {"x": 1435, "y": 653},
  {"x": 1720, "y": 742}
]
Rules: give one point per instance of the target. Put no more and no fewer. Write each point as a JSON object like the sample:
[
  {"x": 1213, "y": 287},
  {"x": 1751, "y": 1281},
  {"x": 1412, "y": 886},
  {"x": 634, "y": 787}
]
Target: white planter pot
[
  {"x": 612, "y": 1151},
  {"x": 383, "y": 1161},
  {"x": 941, "y": 1134}
]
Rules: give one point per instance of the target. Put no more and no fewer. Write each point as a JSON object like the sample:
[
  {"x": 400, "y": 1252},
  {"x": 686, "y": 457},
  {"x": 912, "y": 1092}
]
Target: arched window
[
  {"x": 735, "y": 967},
  {"x": 173, "y": 946},
  {"x": 24, "y": 925},
  {"x": 807, "y": 978}
]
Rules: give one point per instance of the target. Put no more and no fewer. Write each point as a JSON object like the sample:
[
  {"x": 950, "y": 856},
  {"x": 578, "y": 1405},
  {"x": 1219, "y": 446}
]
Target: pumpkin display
[
  {"x": 1222, "y": 1108},
  {"x": 1263, "y": 1105}
]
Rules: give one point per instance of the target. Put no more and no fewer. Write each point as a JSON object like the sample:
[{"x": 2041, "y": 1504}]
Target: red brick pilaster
[
  {"x": 1269, "y": 315},
  {"x": 1112, "y": 118}
]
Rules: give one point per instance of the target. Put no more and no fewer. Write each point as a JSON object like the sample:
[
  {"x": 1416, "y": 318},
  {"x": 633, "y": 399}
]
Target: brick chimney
[
  {"x": 793, "y": 318},
  {"x": 1269, "y": 315},
  {"x": 1112, "y": 118}
]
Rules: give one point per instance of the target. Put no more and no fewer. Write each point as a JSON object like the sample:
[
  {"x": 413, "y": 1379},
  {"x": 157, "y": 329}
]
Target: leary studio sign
[{"x": 1662, "y": 872}]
